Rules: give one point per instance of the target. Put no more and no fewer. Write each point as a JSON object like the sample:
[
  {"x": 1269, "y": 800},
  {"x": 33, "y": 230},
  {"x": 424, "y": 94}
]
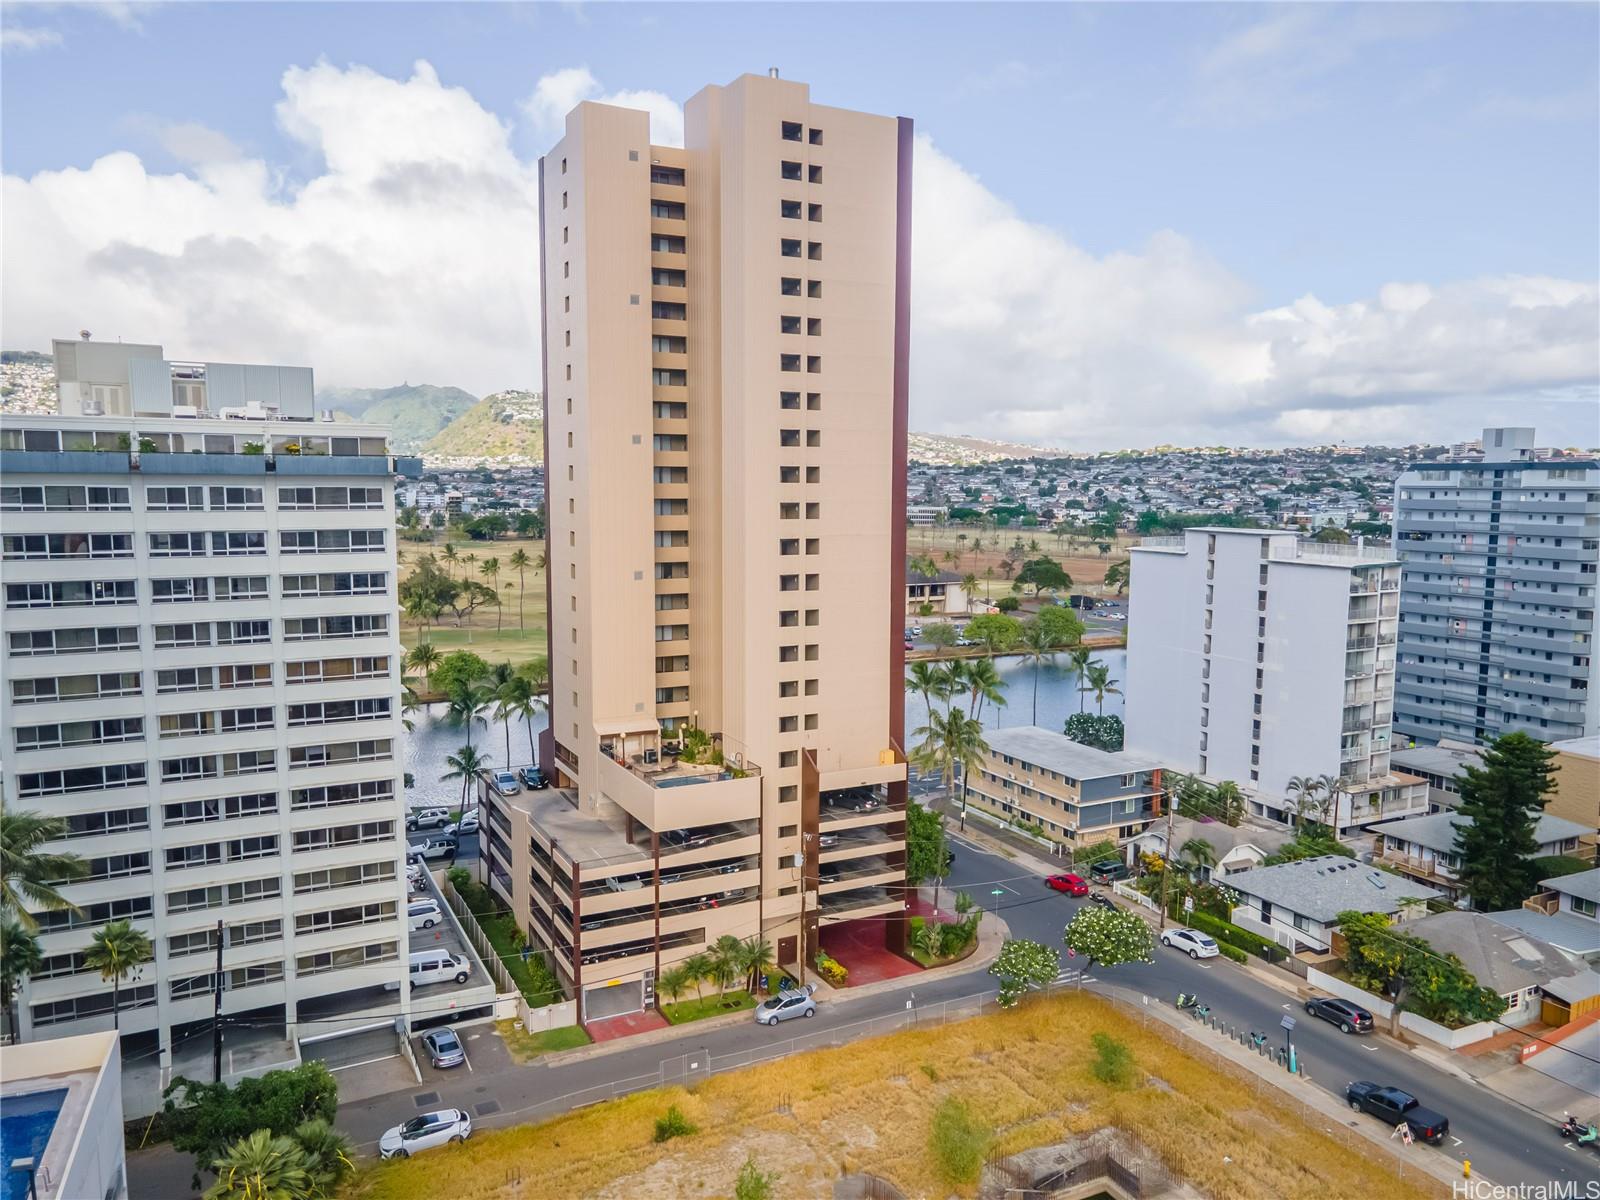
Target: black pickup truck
[{"x": 1392, "y": 1105}]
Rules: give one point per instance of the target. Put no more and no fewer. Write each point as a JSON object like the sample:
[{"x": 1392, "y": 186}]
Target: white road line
[
  {"x": 1455, "y": 1139},
  {"x": 366, "y": 1062}
]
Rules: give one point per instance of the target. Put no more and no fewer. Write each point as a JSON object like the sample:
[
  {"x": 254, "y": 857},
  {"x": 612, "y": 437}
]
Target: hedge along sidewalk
[{"x": 992, "y": 931}]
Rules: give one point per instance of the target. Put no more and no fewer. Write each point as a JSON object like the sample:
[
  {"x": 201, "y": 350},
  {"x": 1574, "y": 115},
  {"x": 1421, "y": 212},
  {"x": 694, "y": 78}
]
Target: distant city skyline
[{"x": 1135, "y": 224}]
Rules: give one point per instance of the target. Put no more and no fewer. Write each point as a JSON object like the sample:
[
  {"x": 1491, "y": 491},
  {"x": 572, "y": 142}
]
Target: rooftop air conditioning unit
[
  {"x": 185, "y": 410},
  {"x": 93, "y": 407}
]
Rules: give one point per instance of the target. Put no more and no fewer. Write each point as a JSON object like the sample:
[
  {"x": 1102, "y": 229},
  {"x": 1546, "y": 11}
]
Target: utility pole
[
  {"x": 216, "y": 1011},
  {"x": 1166, "y": 868}
]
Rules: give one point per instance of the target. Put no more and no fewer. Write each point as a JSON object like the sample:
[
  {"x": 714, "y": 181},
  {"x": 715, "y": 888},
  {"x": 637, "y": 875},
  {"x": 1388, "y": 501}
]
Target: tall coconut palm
[
  {"x": 1039, "y": 644},
  {"x": 952, "y": 741},
  {"x": 1302, "y": 789},
  {"x": 520, "y": 562},
  {"x": 727, "y": 960},
  {"x": 27, "y": 875},
  {"x": 116, "y": 951},
  {"x": 450, "y": 556},
  {"x": 465, "y": 764},
  {"x": 928, "y": 681},
  {"x": 1099, "y": 682},
  {"x": 467, "y": 704},
  {"x": 490, "y": 570},
  {"x": 512, "y": 700},
  {"x": 984, "y": 685},
  {"x": 260, "y": 1166},
  {"x": 699, "y": 967},
  {"x": 424, "y": 657},
  {"x": 409, "y": 706},
  {"x": 1330, "y": 796},
  {"x": 1079, "y": 660},
  {"x": 20, "y": 957},
  {"x": 758, "y": 959}
]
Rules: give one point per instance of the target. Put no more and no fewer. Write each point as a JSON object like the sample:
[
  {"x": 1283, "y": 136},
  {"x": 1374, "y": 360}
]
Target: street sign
[
  {"x": 1188, "y": 904},
  {"x": 997, "y": 891},
  {"x": 1071, "y": 953},
  {"x": 1287, "y": 1023}
]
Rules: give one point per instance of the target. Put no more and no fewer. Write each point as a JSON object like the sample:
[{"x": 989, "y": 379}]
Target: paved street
[{"x": 1504, "y": 1142}]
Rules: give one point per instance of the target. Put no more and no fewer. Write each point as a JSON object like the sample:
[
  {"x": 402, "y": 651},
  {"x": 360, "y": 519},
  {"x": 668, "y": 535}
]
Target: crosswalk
[{"x": 1074, "y": 975}]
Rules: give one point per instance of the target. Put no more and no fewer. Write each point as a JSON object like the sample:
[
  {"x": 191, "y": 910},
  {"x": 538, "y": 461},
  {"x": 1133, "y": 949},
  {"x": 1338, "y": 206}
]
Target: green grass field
[
  {"x": 515, "y": 631},
  {"x": 685, "y": 1011}
]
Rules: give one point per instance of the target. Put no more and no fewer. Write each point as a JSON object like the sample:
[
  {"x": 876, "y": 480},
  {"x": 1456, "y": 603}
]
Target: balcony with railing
[
  {"x": 856, "y": 876},
  {"x": 656, "y": 781}
]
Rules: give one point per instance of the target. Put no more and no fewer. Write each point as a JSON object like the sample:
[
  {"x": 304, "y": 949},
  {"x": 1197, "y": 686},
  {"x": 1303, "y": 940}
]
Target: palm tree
[
  {"x": 699, "y": 967},
  {"x": 465, "y": 764},
  {"x": 983, "y": 684},
  {"x": 1079, "y": 660},
  {"x": 116, "y": 951},
  {"x": 520, "y": 562},
  {"x": 1229, "y": 801},
  {"x": 20, "y": 957},
  {"x": 260, "y": 1166},
  {"x": 1197, "y": 854},
  {"x": 1102, "y": 685},
  {"x": 988, "y": 581},
  {"x": 327, "y": 1153},
  {"x": 490, "y": 570},
  {"x": 928, "y": 681},
  {"x": 674, "y": 982},
  {"x": 29, "y": 877},
  {"x": 727, "y": 954},
  {"x": 1038, "y": 644},
  {"x": 969, "y": 585},
  {"x": 1302, "y": 789},
  {"x": 450, "y": 555},
  {"x": 514, "y": 699},
  {"x": 952, "y": 741},
  {"x": 424, "y": 657},
  {"x": 409, "y": 705},
  {"x": 1330, "y": 796},
  {"x": 758, "y": 959},
  {"x": 467, "y": 705}
]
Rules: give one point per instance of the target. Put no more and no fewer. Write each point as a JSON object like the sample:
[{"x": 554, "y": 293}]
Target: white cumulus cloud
[{"x": 410, "y": 252}]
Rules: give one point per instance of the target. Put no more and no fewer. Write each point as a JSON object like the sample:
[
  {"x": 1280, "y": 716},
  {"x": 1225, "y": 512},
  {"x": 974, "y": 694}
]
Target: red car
[{"x": 1072, "y": 885}]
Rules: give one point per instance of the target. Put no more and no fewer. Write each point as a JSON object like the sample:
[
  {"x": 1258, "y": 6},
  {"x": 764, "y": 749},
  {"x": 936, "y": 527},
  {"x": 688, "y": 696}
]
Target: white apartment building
[
  {"x": 201, "y": 676},
  {"x": 1255, "y": 656}
]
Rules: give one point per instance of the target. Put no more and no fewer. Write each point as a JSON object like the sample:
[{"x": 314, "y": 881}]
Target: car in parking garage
[{"x": 533, "y": 779}]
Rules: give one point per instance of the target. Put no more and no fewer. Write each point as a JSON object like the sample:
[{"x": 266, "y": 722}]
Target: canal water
[{"x": 434, "y": 738}]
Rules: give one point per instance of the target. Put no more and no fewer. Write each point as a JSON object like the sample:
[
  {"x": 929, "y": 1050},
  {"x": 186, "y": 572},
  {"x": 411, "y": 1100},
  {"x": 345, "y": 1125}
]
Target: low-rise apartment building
[
  {"x": 1258, "y": 657},
  {"x": 1423, "y": 848},
  {"x": 1575, "y": 788},
  {"x": 1077, "y": 794},
  {"x": 201, "y": 679}
]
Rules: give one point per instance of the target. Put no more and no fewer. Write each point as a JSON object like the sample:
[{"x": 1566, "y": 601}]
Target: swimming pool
[{"x": 25, "y": 1125}]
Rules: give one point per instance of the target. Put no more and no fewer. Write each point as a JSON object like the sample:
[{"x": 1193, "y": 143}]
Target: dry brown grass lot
[
  {"x": 512, "y": 642},
  {"x": 1079, "y": 556},
  {"x": 869, "y": 1106}
]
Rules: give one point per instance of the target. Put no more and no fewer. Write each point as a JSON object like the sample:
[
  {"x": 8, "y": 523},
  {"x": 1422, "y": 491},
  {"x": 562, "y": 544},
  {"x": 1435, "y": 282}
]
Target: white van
[
  {"x": 435, "y": 966},
  {"x": 424, "y": 914}
]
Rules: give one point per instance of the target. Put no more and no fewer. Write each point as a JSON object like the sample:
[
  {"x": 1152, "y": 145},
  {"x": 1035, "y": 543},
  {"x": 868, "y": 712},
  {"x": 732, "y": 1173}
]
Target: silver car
[
  {"x": 425, "y": 1132},
  {"x": 786, "y": 1004},
  {"x": 444, "y": 1048}
]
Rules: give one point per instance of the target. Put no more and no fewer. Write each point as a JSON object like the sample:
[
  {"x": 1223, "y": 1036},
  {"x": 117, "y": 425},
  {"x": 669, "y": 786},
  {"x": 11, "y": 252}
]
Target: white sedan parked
[
  {"x": 1191, "y": 941},
  {"x": 425, "y": 1132}
]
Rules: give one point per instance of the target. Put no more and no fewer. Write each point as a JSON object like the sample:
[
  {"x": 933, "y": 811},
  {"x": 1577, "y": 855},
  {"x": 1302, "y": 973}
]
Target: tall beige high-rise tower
[{"x": 726, "y": 331}]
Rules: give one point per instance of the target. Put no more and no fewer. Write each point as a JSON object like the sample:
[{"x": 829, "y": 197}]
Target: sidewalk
[{"x": 992, "y": 931}]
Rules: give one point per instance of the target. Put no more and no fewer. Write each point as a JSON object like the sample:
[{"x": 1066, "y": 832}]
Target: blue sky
[{"x": 1246, "y": 156}]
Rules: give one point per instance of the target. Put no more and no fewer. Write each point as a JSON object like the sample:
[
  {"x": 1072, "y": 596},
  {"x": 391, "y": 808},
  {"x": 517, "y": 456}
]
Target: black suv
[
  {"x": 1392, "y": 1106},
  {"x": 1350, "y": 1018}
]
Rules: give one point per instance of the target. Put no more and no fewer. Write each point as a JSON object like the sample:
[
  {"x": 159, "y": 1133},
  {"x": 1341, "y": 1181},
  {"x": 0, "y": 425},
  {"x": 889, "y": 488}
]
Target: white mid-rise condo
[{"x": 1258, "y": 657}]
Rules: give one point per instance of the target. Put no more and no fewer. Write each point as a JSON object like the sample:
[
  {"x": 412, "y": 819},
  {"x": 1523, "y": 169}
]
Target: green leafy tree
[
  {"x": 926, "y": 844},
  {"x": 1113, "y": 1060},
  {"x": 941, "y": 635},
  {"x": 1197, "y": 856},
  {"x": 29, "y": 876},
  {"x": 1118, "y": 576},
  {"x": 1108, "y": 937},
  {"x": 327, "y": 1154},
  {"x": 995, "y": 632},
  {"x": 1092, "y": 729},
  {"x": 1044, "y": 573},
  {"x": 457, "y": 668},
  {"x": 20, "y": 957},
  {"x": 1022, "y": 966},
  {"x": 1008, "y": 604},
  {"x": 427, "y": 591},
  {"x": 1329, "y": 535},
  {"x": 1501, "y": 801},
  {"x": 1229, "y": 803},
  {"x": 205, "y": 1119},
  {"x": 1064, "y": 627},
  {"x": 117, "y": 950},
  {"x": 1384, "y": 959}
]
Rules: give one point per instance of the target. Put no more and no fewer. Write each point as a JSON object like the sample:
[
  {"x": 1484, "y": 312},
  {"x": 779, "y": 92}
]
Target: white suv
[
  {"x": 1191, "y": 941},
  {"x": 425, "y": 1132}
]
